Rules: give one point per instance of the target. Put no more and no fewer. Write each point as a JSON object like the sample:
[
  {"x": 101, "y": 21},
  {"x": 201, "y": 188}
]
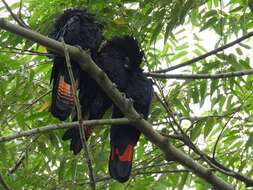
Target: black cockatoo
[
  {"x": 79, "y": 28},
  {"x": 115, "y": 59},
  {"x": 124, "y": 137}
]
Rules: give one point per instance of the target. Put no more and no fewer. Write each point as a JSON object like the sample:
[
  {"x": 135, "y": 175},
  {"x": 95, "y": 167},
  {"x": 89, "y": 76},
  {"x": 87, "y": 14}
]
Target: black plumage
[
  {"x": 76, "y": 27},
  {"x": 115, "y": 60},
  {"x": 120, "y": 59},
  {"x": 124, "y": 137}
]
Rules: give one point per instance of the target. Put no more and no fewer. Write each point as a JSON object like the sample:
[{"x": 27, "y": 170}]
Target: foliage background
[{"x": 204, "y": 108}]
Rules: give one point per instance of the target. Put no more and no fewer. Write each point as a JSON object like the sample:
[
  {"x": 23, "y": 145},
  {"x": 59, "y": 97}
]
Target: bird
[
  {"x": 79, "y": 28},
  {"x": 114, "y": 58},
  {"x": 123, "y": 138}
]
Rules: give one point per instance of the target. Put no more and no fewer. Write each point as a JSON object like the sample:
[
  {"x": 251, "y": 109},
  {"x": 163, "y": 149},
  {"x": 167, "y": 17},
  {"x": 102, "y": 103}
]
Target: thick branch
[
  {"x": 201, "y": 76},
  {"x": 87, "y": 64},
  {"x": 119, "y": 121},
  {"x": 215, "y": 51}
]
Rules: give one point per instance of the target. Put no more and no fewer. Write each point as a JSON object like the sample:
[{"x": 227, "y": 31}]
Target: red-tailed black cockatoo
[
  {"x": 115, "y": 61},
  {"x": 78, "y": 28},
  {"x": 139, "y": 88}
]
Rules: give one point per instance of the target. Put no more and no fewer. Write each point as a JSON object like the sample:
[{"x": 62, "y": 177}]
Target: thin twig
[
  {"x": 14, "y": 16},
  {"x": 159, "y": 172},
  {"x": 170, "y": 114},
  {"x": 215, "y": 51},
  {"x": 4, "y": 184},
  {"x": 226, "y": 124},
  {"x": 118, "y": 121},
  {"x": 27, "y": 107},
  {"x": 20, "y": 8},
  {"x": 22, "y": 156},
  {"x": 87, "y": 154},
  {"x": 201, "y": 76},
  {"x": 153, "y": 166},
  {"x": 25, "y": 53},
  {"x": 216, "y": 165},
  {"x": 27, "y": 50},
  {"x": 211, "y": 161}
]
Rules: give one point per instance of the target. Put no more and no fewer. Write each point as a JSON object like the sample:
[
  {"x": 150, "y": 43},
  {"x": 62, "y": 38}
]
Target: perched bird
[
  {"x": 79, "y": 28},
  {"x": 115, "y": 59},
  {"x": 124, "y": 137}
]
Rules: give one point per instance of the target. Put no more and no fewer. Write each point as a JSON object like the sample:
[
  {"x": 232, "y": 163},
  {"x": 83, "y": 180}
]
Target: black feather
[
  {"x": 76, "y": 27},
  {"x": 140, "y": 90},
  {"x": 112, "y": 59}
]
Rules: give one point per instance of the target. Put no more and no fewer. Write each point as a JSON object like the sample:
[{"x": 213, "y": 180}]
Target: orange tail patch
[{"x": 64, "y": 92}]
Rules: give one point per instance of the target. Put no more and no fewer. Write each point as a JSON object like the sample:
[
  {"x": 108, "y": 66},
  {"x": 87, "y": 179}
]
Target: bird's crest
[{"x": 128, "y": 46}]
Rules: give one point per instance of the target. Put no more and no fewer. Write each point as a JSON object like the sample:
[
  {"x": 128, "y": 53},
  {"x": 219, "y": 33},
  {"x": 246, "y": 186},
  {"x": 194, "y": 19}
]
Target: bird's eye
[{"x": 126, "y": 66}]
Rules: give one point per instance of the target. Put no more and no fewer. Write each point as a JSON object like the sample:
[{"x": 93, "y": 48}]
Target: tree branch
[
  {"x": 22, "y": 156},
  {"x": 14, "y": 16},
  {"x": 4, "y": 184},
  {"x": 215, "y": 51},
  {"x": 87, "y": 154},
  {"x": 87, "y": 64},
  {"x": 160, "y": 172},
  {"x": 201, "y": 76},
  {"x": 23, "y": 109},
  {"x": 118, "y": 121}
]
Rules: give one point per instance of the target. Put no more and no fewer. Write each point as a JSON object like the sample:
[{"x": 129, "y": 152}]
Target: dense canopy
[{"x": 203, "y": 106}]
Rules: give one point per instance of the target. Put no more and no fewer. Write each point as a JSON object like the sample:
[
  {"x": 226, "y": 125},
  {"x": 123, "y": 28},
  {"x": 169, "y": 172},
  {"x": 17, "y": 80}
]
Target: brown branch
[
  {"x": 201, "y": 76},
  {"x": 215, "y": 51},
  {"x": 87, "y": 64},
  {"x": 4, "y": 184},
  {"x": 118, "y": 121},
  {"x": 87, "y": 154}
]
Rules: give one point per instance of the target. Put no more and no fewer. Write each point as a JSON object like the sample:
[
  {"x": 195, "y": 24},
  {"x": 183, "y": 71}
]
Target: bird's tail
[
  {"x": 73, "y": 135},
  {"x": 120, "y": 162},
  {"x": 62, "y": 97}
]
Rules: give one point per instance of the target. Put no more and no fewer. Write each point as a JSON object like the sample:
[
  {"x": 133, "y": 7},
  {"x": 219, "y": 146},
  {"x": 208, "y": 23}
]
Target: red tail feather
[{"x": 127, "y": 156}]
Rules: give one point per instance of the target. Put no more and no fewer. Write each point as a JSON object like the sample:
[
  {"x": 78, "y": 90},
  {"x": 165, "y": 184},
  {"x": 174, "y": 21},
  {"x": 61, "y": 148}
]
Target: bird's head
[{"x": 128, "y": 47}]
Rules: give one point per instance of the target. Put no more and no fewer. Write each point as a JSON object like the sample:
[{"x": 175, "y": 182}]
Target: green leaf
[
  {"x": 196, "y": 131},
  {"x": 249, "y": 142},
  {"x": 245, "y": 46},
  {"x": 179, "y": 55},
  {"x": 61, "y": 169},
  {"x": 239, "y": 51},
  {"x": 209, "y": 126},
  {"x": 209, "y": 23}
]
